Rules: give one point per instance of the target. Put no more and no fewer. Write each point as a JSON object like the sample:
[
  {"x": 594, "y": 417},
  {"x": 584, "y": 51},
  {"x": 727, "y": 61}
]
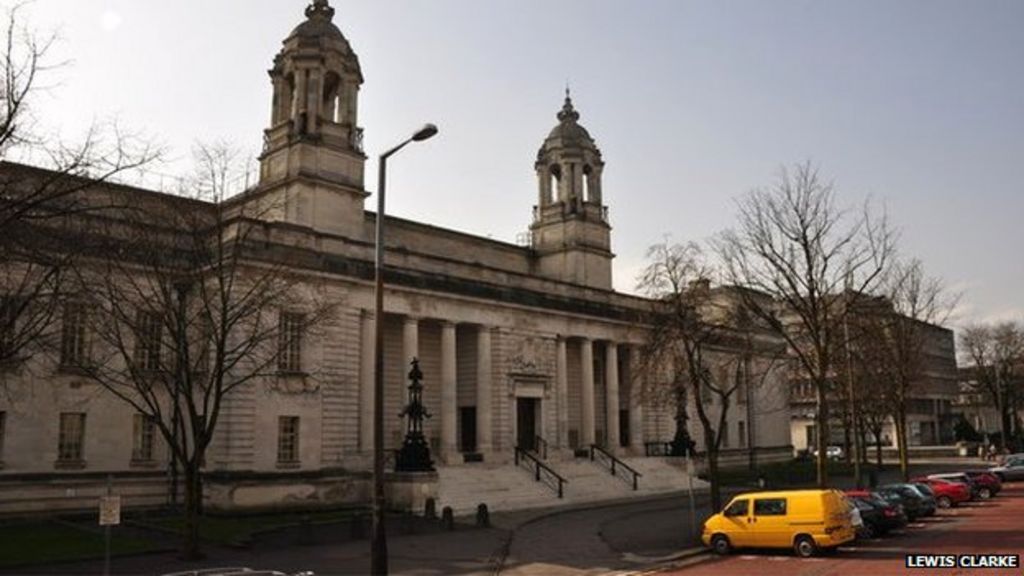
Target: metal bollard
[
  {"x": 483, "y": 516},
  {"x": 448, "y": 518}
]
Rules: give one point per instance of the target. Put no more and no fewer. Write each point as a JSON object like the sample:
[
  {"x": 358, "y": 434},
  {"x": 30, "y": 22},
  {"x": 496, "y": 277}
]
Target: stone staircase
[{"x": 506, "y": 487}]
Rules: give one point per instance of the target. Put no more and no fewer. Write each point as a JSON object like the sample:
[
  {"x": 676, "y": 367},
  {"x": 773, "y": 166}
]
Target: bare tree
[
  {"x": 997, "y": 354},
  {"x": 796, "y": 245},
  {"x": 36, "y": 203},
  {"x": 700, "y": 347},
  {"x": 191, "y": 303},
  {"x": 897, "y": 332}
]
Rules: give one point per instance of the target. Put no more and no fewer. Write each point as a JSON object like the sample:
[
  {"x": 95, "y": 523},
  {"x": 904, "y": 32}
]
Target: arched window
[
  {"x": 586, "y": 183},
  {"x": 330, "y": 107},
  {"x": 555, "y": 177}
]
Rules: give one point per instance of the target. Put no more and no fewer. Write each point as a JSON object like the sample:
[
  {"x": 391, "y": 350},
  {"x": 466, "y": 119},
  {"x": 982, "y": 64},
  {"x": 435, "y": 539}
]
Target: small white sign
[{"x": 110, "y": 510}]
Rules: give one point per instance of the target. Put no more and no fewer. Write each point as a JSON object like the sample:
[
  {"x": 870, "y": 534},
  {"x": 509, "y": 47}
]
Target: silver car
[{"x": 1011, "y": 469}]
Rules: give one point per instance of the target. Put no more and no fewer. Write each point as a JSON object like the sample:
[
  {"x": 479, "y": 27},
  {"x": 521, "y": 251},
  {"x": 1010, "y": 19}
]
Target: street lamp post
[{"x": 378, "y": 538}]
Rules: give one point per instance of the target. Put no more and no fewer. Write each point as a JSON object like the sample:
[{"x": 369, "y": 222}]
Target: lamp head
[{"x": 428, "y": 131}]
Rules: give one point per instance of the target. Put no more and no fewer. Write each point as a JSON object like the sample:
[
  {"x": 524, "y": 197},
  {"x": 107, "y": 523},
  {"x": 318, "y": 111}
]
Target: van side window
[
  {"x": 737, "y": 508},
  {"x": 770, "y": 507}
]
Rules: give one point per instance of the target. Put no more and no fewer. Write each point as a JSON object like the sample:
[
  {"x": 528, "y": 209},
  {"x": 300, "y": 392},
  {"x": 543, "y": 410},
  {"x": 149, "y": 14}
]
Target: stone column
[
  {"x": 410, "y": 350},
  {"x": 483, "y": 390},
  {"x": 636, "y": 407},
  {"x": 449, "y": 448},
  {"x": 366, "y": 382},
  {"x": 611, "y": 387},
  {"x": 562, "y": 394},
  {"x": 587, "y": 391},
  {"x": 301, "y": 94}
]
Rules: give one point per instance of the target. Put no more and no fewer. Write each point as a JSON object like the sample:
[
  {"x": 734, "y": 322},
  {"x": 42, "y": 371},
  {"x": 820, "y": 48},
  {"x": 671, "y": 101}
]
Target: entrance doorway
[
  {"x": 526, "y": 423},
  {"x": 467, "y": 429}
]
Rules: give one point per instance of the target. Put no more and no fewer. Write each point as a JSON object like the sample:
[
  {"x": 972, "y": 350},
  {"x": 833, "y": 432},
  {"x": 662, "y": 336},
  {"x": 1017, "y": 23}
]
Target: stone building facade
[{"x": 518, "y": 343}]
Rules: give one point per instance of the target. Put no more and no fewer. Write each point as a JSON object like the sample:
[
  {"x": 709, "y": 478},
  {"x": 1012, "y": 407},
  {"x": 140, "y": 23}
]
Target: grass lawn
[
  {"x": 231, "y": 530},
  {"x": 43, "y": 542}
]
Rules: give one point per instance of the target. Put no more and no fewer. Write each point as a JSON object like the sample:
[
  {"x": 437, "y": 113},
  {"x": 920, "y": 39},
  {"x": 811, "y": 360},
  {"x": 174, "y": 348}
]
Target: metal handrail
[
  {"x": 541, "y": 446},
  {"x": 615, "y": 464},
  {"x": 541, "y": 471}
]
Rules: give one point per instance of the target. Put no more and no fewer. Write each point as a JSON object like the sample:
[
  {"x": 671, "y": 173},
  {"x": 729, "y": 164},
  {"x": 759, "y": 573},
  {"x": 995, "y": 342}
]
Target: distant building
[{"x": 930, "y": 414}]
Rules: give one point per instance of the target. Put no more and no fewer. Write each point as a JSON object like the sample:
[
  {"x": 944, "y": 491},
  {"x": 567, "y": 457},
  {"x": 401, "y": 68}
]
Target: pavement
[{"x": 622, "y": 537}]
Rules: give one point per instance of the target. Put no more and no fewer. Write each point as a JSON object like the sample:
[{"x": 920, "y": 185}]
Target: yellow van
[{"x": 806, "y": 520}]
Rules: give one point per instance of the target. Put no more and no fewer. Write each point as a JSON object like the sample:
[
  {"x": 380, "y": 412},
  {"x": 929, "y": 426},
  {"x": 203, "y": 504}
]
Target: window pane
[
  {"x": 288, "y": 439},
  {"x": 72, "y": 431},
  {"x": 770, "y": 507},
  {"x": 738, "y": 508}
]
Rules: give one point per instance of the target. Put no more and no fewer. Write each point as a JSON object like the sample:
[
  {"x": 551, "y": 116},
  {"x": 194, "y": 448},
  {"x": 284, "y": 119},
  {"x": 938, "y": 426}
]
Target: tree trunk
[
  {"x": 877, "y": 433},
  {"x": 821, "y": 420},
  {"x": 848, "y": 454},
  {"x": 193, "y": 500},
  {"x": 714, "y": 487},
  {"x": 900, "y": 420}
]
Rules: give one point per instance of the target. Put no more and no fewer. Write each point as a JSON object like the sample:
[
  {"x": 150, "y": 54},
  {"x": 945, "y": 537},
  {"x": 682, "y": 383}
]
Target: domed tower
[
  {"x": 570, "y": 231},
  {"x": 311, "y": 168}
]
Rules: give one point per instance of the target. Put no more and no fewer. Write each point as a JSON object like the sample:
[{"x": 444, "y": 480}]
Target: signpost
[
  {"x": 110, "y": 515},
  {"x": 693, "y": 504}
]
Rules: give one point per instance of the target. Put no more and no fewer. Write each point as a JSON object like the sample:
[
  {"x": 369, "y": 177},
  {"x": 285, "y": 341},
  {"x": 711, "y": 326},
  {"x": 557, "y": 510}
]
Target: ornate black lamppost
[{"x": 415, "y": 453}]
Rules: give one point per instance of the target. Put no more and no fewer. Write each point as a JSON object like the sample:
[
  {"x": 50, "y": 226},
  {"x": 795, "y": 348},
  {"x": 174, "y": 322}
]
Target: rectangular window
[
  {"x": 288, "y": 439},
  {"x": 72, "y": 437},
  {"x": 290, "y": 327},
  {"x": 143, "y": 429},
  {"x": 3, "y": 429},
  {"x": 770, "y": 507},
  {"x": 73, "y": 345},
  {"x": 725, "y": 436},
  {"x": 741, "y": 433},
  {"x": 147, "y": 341}
]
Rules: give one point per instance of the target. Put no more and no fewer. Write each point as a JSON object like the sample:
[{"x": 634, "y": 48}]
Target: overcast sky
[{"x": 918, "y": 104}]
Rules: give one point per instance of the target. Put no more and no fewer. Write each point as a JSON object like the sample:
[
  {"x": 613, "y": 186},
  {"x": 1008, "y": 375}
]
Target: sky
[{"x": 917, "y": 105}]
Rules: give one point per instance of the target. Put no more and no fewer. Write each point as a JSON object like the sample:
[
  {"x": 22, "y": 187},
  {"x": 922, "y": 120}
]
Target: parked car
[
  {"x": 805, "y": 520},
  {"x": 915, "y": 504},
  {"x": 879, "y": 515},
  {"x": 989, "y": 483},
  {"x": 947, "y": 493},
  {"x": 831, "y": 452},
  {"x": 962, "y": 478},
  {"x": 1011, "y": 469}
]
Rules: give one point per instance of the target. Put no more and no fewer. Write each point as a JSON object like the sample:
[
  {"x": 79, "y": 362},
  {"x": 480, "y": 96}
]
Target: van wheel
[
  {"x": 720, "y": 544},
  {"x": 867, "y": 532},
  {"x": 943, "y": 502},
  {"x": 804, "y": 546},
  {"x": 985, "y": 493}
]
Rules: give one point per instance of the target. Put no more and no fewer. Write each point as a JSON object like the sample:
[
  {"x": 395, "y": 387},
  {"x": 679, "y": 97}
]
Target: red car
[
  {"x": 947, "y": 493},
  {"x": 988, "y": 482}
]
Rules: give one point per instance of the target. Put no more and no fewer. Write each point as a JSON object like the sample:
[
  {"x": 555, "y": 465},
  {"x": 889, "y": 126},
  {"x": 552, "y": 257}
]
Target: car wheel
[
  {"x": 867, "y": 531},
  {"x": 804, "y": 546},
  {"x": 985, "y": 493},
  {"x": 720, "y": 544},
  {"x": 943, "y": 502}
]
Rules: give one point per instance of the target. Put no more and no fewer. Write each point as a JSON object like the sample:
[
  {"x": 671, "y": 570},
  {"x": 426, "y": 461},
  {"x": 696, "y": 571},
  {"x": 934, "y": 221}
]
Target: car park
[{"x": 805, "y": 520}]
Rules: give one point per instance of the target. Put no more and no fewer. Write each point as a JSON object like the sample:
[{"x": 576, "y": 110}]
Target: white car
[{"x": 832, "y": 452}]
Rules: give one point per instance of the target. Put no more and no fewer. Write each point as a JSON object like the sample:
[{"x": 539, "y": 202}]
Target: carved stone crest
[{"x": 526, "y": 357}]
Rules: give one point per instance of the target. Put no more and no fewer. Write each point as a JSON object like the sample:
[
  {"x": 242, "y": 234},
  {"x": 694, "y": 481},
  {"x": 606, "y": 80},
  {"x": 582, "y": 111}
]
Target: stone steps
[{"x": 506, "y": 487}]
